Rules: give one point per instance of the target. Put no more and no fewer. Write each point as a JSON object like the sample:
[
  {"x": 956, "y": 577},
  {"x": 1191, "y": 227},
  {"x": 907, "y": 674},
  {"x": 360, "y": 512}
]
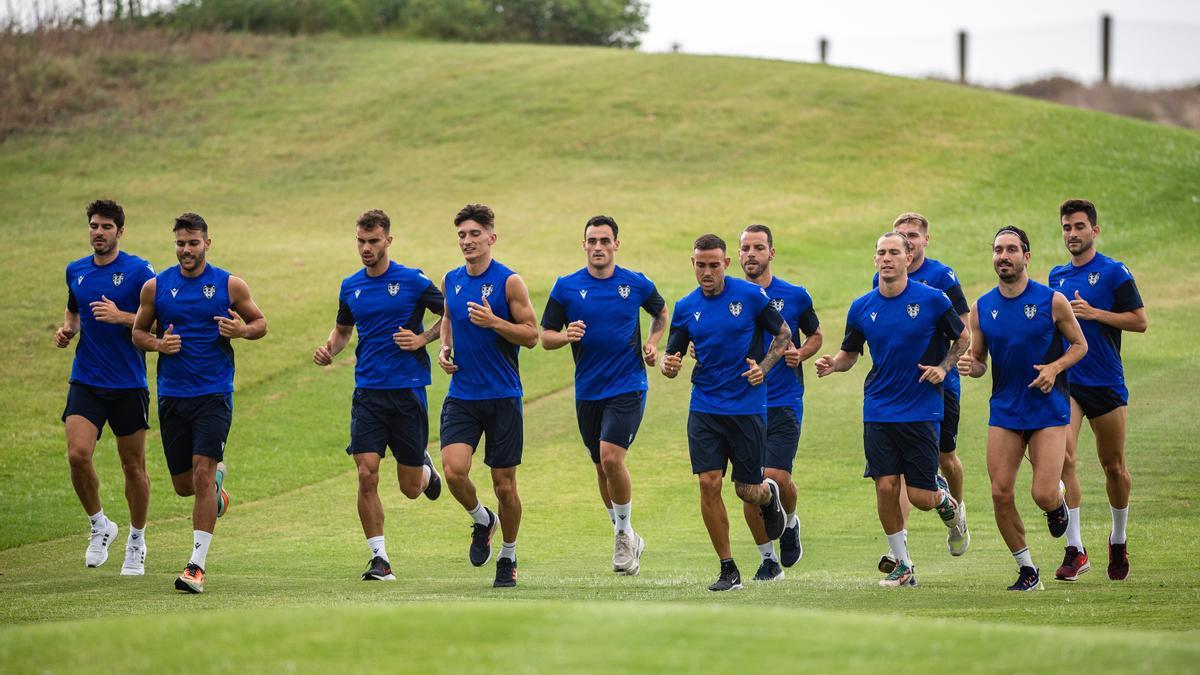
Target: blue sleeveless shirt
[{"x": 204, "y": 364}]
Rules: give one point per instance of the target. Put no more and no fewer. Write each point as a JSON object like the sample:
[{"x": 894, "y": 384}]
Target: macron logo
[
  {"x": 583, "y": 294},
  {"x": 995, "y": 312},
  {"x": 697, "y": 315},
  {"x": 457, "y": 288},
  {"x": 357, "y": 292},
  {"x": 873, "y": 315},
  {"x": 174, "y": 291}
]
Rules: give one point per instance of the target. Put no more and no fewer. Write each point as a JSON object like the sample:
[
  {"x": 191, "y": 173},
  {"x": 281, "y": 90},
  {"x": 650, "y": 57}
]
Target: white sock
[
  {"x": 622, "y": 512},
  {"x": 508, "y": 550},
  {"x": 1119, "y": 518},
  {"x": 480, "y": 514},
  {"x": 377, "y": 547},
  {"x": 767, "y": 550},
  {"x": 200, "y": 542},
  {"x": 137, "y": 537},
  {"x": 1024, "y": 558},
  {"x": 99, "y": 521},
  {"x": 1073, "y": 538},
  {"x": 899, "y": 545},
  {"x": 793, "y": 521},
  {"x": 612, "y": 517},
  {"x": 426, "y": 474}
]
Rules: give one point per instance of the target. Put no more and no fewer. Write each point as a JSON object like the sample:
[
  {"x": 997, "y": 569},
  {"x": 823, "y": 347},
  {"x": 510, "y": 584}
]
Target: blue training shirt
[
  {"x": 785, "y": 386},
  {"x": 204, "y": 363},
  {"x": 1020, "y": 334},
  {"x": 608, "y": 360},
  {"x": 379, "y": 306},
  {"x": 1106, "y": 284},
  {"x": 105, "y": 356},
  {"x": 936, "y": 274},
  {"x": 487, "y": 363},
  {"x": 912, "y": 328},
  {"x": 727, "y": 329}
]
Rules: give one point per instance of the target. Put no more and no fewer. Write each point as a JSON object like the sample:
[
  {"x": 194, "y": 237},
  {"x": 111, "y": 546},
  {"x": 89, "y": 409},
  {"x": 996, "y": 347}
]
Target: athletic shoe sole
[
  {"x": 1078, "y": 573},
  {"x": 137, "y": 570},
  {"x": 636, "y": 566},
  {"x": 186, "y": 586},
  {"x": 108, "y": 541}
]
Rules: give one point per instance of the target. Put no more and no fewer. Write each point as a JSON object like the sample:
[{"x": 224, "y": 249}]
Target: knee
[
  {"x": 1002, "y": 495},
  {"x": 410, "y": 489},
  {"x": 1047, "y": 500},
  {"x": 611, "y": 465},
  {"x": 948, "y": 461},
  {"x": 134, "y": 471},
  {"x": 506, "y": 491},
  {"x": 368, "y": 478},
  {"x": 710, "y": 486},
  {"x": 454, "y": 472},
  {"x": 1114, "y": 467},
  {"x": 888, "y": 486},
  {"x": 183, "y": 487},
  {"x": 79, "y": 456}
]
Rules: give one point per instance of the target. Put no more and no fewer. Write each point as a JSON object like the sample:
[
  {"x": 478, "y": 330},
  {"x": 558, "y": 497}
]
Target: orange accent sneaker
[
  {"x": 192, "y": 579},
  {"x": 1075, "y": 563}
]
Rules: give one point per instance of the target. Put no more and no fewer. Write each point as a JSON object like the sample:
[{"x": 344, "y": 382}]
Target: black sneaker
[
  {"x": 729, "y": 580},
  {"x": 769, "y": 570},
  {"x": 790, "y": 548},
  {"x": 772, "y": 513},
  {"x": 378, "y": 569},
  {"x": 434, "y": 489},
  {"x": 1058, "y": 519},
  {"x": 1027, "y": 580},
  {"x": 481, "y": 540},
  {"x": 506, "y": 573}
]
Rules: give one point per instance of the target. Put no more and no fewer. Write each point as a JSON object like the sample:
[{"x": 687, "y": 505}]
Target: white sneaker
[
  {"x": 627, "y": 553},
  {"x": 98, "y": 543},
  {"x": 135, "y": 560},
  {"x": 958, "y": 537}
]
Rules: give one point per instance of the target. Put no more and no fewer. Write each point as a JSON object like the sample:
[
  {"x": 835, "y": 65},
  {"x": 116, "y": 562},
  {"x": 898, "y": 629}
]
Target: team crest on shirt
[
  {"x": 735, "y": 308},
  {"x": 209, "y": 291},
  {"x": 623, "y": 291},
  {"x": 913, "y": 310},
  {"x": 486, "y": 290},
  {"x": 393, "y": 289},
  {"x": 118, "y": 277},
  {"x": 777, "y": 304},
  {"x": 994, "y": 313},
  {"x": 1093, "y": 277},
  {"x": 1030, "y": 311}
]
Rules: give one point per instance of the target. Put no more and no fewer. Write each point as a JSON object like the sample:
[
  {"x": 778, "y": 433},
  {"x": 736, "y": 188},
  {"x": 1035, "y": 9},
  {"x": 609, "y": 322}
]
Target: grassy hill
[{"x": 281, "y": 152}]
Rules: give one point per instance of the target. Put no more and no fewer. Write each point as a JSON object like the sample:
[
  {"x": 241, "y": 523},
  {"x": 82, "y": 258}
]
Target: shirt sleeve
[
  {"x": 950, "y": 325},
  {"x": 72, "y": 303},
  {"x": 1126, "y": 297},
  {"x": 654, "y": 303},
  {"x": 958, "y": 300},
  {"x": 854, "y": 339},
  {"x": 808, "y": 323},
  {"x": 344, "y": 316},
  {"x": 679, "y": 336},
  {"x": 769, "y": 319},
  {"x": 554, "y": 317},
  {"x": 432, "y": 299}
]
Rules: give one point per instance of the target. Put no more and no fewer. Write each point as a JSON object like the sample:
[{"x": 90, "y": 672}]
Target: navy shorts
[
  {"x": 783, "y": 437},
  {"x": 908, "y": 449},
  {"x": 127, "y": 411},
  {"x": 714, "y": 441},
  {"x": 1097, "y": 401},
  {"x": 501, "y": 419},
  {"x": 194, "y": 425},
  {"x": 948, "y": 439},
  {"x": 610, "y": 420},
  {"x": 390, "y": 418}
]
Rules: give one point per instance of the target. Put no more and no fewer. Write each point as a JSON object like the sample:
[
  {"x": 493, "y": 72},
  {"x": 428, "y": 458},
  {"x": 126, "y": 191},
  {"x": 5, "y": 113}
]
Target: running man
[
  {"x": 595, "y": 310},
  {"x": 1022, "y": 325},
  {"x": 726, "y": 319},
  {"x": 937, "y": 275},
  {"x": 1106, "y": 301},
  {"x": 490, "y": 319},
  {"x": 202, "y": 308},
  {"x": 785, "y": 396},
  {"x": 108, "y": 381},
  {"x": 386, "y": 302},
  {"x": 907, "y": 325}
]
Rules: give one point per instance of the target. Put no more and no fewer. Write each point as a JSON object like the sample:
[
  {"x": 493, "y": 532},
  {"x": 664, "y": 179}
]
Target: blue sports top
[
  {"x": 608, "y": 360},
  {"x": 937, "y": 275},
  {"x": 105, "y": 356},
  {"x": 1106, "y": 284},
  {"x": 912, "y": 328},
  {"x": 727, "y": 329},
  {"x": 1020, "y": 334},
  {"x": 377, "y": 307},
  {"x": 204, "y": 363},
  {"x": 785, "y": 386},
  {"x": 487, "y": 363}
]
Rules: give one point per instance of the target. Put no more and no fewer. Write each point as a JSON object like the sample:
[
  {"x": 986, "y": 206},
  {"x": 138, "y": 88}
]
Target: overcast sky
[{"x": 1155, "y": 42}]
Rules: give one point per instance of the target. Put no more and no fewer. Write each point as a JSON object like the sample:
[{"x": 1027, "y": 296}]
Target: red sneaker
[
  {"x": 1118, "y": 562},
  {"x": 1074, "y": 563}
]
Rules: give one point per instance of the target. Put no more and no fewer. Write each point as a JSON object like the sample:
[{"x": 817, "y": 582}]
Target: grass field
[{"x": 281, "y": 152}]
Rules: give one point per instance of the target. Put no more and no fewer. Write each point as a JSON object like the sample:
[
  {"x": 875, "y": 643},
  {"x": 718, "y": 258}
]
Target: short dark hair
[
  {"x": 107, "y": 208},
  {"x": 374, "y": 218},
  {"x": 1075, "y": 206},
  {"x": 764, "y": 229},
  {"x": 1013, "y": 229},
  {"x": 191, "y": 222},
  {"x": 599, "y": 221},
  {"x": 479, "y": 213},
  {"x": 709, "y": 242},
  {"x": 908, "y": 247}
]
